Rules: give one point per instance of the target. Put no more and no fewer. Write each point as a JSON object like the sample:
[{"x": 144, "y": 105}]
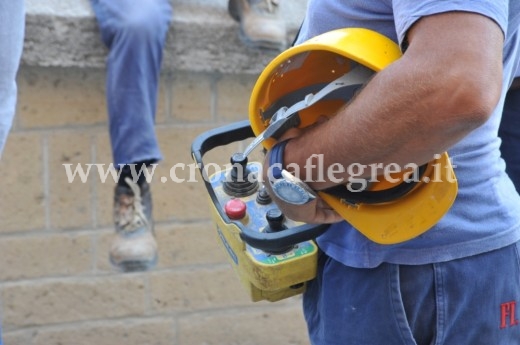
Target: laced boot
[
  {"x": 134, "y": 247},
  {"x": 261, "y": 25}
]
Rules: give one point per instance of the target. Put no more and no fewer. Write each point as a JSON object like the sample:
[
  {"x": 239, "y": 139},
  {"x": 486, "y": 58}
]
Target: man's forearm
[{"x": 411, "y": 111}]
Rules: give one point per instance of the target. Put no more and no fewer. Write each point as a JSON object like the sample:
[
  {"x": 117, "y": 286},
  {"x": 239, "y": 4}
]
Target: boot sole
[
  {"x": 135, "y": 265},
  {"x": 261, "y": 44}
]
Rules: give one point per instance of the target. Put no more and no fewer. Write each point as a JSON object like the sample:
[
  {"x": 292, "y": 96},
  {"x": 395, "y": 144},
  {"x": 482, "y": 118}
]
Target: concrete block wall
[{"x": 56, "y": 284}]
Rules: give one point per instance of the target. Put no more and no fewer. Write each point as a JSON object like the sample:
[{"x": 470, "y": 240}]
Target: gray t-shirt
[{"x": 486, "y": 213}]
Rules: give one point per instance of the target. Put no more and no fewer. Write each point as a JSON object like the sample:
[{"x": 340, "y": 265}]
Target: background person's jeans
[
  {"x": 509, "y": 132},
  {"x": 12, "y": 28},
  {"x": 135, "y": 33},
  {"x": 12, "y": 25}
]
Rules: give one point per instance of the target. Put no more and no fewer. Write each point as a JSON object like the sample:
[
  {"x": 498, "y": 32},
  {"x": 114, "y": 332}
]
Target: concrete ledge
[{"x": 202, "y": 37}]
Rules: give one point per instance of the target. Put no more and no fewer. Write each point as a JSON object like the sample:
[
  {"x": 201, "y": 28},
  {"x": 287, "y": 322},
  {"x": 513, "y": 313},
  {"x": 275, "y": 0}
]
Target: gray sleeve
[{"x": 407, "y": 12}]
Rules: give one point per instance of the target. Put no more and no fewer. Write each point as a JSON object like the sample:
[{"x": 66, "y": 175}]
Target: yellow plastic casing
[
  {"x": 265, "y": 276},
  {"x": 322, "y": 60}
]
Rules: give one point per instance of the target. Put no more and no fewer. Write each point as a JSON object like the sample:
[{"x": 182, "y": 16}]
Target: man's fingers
[{"x": 327, "y": 216}]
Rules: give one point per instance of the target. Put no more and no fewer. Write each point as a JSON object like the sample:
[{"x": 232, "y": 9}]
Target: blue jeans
[
  {"x": 470, "y": 301},
  {"x": 12, "y": 24},
  {"x": 12, "y": 28},
  {"x": 509, "y": 132},
  {"x": 135, "y": 34}
]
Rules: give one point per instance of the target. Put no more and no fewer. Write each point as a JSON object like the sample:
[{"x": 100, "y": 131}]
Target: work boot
[
  {"x": 260, "y": 23},
  {"x": 134, "y": 247}
]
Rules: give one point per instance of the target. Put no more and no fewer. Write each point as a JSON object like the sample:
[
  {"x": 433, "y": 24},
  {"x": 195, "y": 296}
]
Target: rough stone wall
[
  {"x": 56, "y": 285},
  {"x": 202, "y": 36}
]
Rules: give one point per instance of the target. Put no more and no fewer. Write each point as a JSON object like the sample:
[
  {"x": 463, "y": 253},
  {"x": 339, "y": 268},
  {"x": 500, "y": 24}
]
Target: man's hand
[{"x": 313, "y": 212}]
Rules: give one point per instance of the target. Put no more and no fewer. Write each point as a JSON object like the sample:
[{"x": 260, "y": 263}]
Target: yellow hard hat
[{"x": 385, "y": 212}]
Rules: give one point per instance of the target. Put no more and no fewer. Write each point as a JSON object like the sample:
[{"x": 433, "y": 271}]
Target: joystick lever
[{"x": 240, "y": 182}]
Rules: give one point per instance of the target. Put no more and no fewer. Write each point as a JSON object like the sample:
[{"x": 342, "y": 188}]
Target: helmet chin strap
[
  {"x": 287, "y": 117},
  {"x": 337, "y": 89}
]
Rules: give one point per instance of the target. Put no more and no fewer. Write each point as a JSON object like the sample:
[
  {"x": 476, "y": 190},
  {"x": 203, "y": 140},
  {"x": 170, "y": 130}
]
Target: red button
[{"x": 235, "y": 209}]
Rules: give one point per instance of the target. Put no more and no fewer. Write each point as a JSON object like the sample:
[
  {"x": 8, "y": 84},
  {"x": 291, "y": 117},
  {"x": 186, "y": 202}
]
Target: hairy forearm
[{"x": 417, "y": 107}]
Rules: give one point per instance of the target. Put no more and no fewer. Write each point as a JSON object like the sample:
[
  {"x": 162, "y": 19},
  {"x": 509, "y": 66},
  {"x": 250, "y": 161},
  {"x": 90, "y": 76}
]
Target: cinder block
[
  {"x": 17, "y": 338},
  {"x": 37, "y": 303},
  {"x": 189, "y": 244},
  {"x": 103, "y": 241},
  {"x": 196, "y": 289},
  {"x": 163, "y": 99},
  {"x": 233, "y": 94},
  {"x": 71, "y": 196},
  {"x": 22, "y": 205},
  {"x": 104, "y": 191},
  {"x": 253, "y": 326},
  {"x": 54, "y": 97},
  {"x": 41, "y": 256},
  {"x": 127, "y": 332},
  {"x": 192, "y": 97}
]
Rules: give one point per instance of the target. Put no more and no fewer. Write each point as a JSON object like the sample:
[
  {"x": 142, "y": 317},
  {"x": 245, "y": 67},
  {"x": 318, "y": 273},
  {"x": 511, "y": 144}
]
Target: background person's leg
[
  {"x": 12, "y": 24},
  {"x": 12, "y": 27},
  {"x": 509, "y": 132},
  {"x": 135, "y": 33}
]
